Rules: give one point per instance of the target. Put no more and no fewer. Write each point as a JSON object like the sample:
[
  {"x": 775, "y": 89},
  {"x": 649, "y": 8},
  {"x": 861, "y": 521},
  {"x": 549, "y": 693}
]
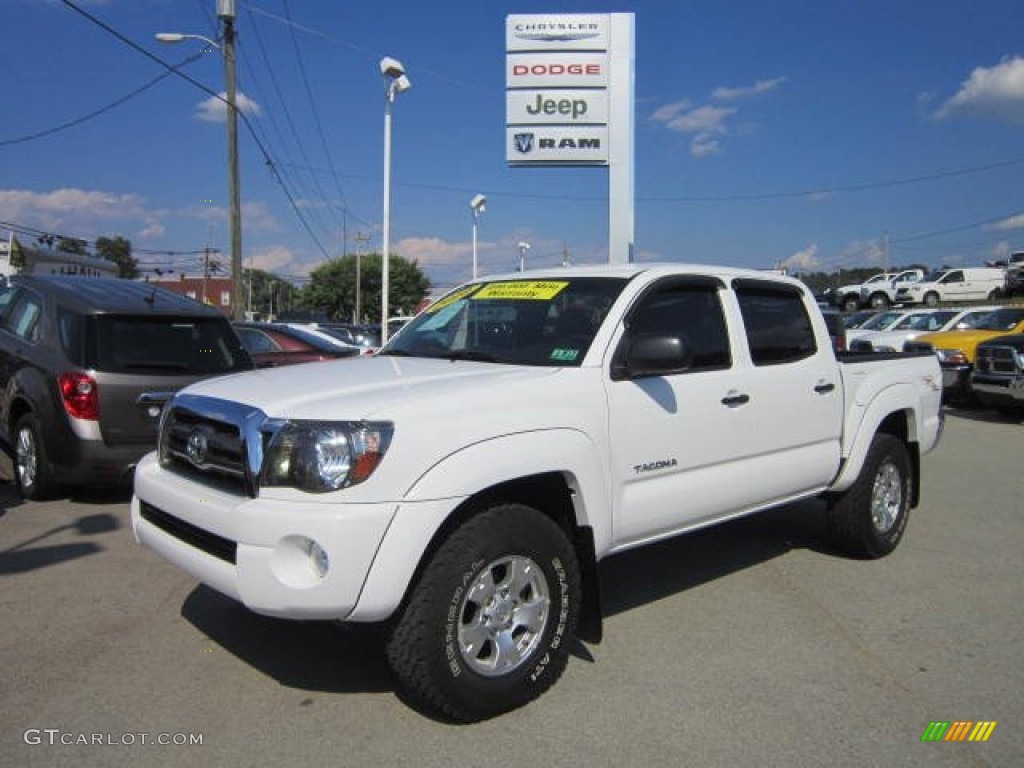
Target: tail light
[{"x": 80, "y": 395}]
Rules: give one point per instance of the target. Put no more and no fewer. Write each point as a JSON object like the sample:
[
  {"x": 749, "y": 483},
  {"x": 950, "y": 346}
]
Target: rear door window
[
  {"x": 23, "y": 316},
  {"x": 778, "y": 327},
  {"x": 188, "y": 345}
]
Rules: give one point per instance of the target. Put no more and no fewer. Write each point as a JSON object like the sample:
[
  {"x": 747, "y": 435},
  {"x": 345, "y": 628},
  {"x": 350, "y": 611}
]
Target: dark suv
[{"x": 86, "y": 365}]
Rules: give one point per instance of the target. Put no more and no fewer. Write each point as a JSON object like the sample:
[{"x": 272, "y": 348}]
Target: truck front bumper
[
  {"x": 298, "y": 559},
  {"x": 999, "y": 391}
]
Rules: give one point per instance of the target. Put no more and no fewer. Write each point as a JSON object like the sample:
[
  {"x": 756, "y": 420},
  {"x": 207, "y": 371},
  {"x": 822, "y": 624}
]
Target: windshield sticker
[
  {"x": 532, "y": 290},
  {"x": 451, "y": 298},
  {"x": 564, "y": 355}
]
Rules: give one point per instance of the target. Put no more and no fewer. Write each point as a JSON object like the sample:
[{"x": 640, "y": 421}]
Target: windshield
[
  {"x": 881, "y": 322},
  {"x": 522, "y": 322},
  {"x": 1002, "y": 320},
  {"x": 930, "y": 321}
]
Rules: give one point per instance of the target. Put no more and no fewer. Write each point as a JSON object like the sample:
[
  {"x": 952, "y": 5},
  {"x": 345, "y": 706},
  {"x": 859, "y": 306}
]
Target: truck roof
[{"x": 634, "y": 269}]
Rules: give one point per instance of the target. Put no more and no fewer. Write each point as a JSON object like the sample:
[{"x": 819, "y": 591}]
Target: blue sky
[{"x": 767, "y": 133}]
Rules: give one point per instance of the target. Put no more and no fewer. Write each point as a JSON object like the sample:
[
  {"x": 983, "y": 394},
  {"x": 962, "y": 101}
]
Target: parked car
[
  {"x": 955, "y": 349},
  {"x": 881, "y": 294},
  {"x": 362, "y": 336},
  {"x": 86, "y": 365},
  {"x": 856, "y": 319},
  {"x": 273, "y": 344},
  {"x": 883, "y": 321},
  {"x": 967, "y": 284},
  {"x": 836, "y": 329},
  {"x": 998, "y": 376},
  {"x": 917, "y": 324},
  {"x": 460, "y": 487}
]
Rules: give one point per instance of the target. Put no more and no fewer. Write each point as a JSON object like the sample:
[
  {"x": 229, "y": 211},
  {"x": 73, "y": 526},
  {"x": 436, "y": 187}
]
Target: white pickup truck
[{"x": 461, "y": 485}]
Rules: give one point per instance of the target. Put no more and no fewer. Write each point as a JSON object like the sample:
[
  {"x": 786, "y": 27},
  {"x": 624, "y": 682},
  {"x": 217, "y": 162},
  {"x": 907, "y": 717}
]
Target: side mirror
[{"x": 652, "y": 354}]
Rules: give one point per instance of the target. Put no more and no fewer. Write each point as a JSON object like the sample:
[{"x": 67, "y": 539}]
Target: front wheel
[
  {"x": 879, "y": 301},
  {"x": 851, "y": 303},
  {"x": 931, "y": 299},
  {"x": 868, "y": 519},
  {"x": 487, "y": 625}
]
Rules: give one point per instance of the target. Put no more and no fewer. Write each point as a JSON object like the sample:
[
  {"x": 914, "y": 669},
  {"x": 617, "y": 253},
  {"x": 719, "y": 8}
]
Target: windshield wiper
[{"x": 471, "y": 354}]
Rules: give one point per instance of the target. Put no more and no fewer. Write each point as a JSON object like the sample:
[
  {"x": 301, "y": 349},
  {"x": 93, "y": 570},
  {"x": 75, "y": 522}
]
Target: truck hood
[
  {"x": 965, "y": 341},
  {"x": 372, "y": 387}
]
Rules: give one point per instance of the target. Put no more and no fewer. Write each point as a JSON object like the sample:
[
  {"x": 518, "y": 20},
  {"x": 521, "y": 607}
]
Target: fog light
[{"x": 318, "y": 557}]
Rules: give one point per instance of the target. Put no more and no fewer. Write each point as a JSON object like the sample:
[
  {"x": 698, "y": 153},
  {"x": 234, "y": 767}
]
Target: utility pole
[
  {"x": 357, "y": 316},
  {"x": 226, "y": 13},
  {"x": 206, "y": 270}
]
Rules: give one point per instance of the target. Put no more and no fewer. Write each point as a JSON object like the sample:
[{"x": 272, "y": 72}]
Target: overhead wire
[{"x": 241, "y": 113}]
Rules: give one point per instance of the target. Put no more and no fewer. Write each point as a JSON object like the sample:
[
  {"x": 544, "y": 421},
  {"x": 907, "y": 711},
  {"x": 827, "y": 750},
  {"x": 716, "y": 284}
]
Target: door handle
[
  {"x": 732, "y": 400},
  {"x": 824, "y": 388}
]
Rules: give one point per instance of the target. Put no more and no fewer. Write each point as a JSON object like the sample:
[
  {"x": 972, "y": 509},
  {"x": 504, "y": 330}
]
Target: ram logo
[{"x": 524, "y": 142}]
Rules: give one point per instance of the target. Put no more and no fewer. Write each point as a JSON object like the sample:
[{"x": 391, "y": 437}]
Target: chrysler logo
[{"x": 196, "y": 447}]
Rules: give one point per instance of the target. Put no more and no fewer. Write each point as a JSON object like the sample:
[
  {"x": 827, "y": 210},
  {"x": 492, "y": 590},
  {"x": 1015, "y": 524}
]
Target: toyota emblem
[{"x": 196, "y": 447}]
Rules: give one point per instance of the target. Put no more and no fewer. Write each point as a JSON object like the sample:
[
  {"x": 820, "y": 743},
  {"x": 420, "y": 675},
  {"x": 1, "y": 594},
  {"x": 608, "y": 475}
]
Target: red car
[{"x": 273, "y": 344}]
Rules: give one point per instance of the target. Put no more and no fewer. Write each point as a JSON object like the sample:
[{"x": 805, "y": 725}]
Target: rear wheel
[
  {"x": 931, "y": 299},
  {"x": 487, "y": 625},
  {"x": 851, "y": 303},
  {"x": 31, "y": 470},
  {"x": 869, "y": 518}
]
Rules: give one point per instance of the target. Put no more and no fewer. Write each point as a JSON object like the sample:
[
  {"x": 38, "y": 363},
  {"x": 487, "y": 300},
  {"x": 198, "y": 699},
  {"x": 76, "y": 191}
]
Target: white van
[{"x": 966, "y": 284}]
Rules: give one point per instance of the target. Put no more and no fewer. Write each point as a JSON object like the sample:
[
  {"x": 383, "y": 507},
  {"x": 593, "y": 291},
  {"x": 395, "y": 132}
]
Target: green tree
[
  {"x": 332, "y": 287},
  {"x": 119, "y": 251},
  {"x": 264, "y": 292},
  {"x": 71, "y": 245}
]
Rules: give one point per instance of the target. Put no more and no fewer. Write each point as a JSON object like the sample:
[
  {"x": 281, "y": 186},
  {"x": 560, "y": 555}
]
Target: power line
[
  {"x": 97, "y": 112},
  {"x": 245, "y": 119}
]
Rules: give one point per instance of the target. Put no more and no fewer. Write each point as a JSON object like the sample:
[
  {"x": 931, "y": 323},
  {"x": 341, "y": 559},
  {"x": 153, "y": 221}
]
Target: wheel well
[
  {"x": 18, "y": 409},
  {"x": 896, "y": 424},
  {"x": 550, "y": 494}
]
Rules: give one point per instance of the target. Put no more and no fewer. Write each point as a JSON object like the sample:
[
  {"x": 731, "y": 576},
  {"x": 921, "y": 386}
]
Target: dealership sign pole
[{"x": 569, "y": 102}]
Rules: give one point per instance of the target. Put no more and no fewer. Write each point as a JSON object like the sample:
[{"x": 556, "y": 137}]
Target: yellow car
[{"x": 955, "y": 349}]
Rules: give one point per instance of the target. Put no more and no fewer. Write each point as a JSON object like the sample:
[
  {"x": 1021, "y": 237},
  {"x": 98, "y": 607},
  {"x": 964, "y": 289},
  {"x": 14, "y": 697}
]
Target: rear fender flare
[{"x": 895, "y": 399}]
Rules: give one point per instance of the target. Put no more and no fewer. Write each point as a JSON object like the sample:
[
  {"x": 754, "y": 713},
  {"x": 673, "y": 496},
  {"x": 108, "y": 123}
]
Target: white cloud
[
  {"x": 69, "y": 211},
  {"x": 669, "y": 111},
  {"x": 734, "y": 94},
  {"x": 705, "y": 144},
  {"x": 433, "y": 251},
  {"x": 707, "y": 119},
  {"x": 861, "y": 252},
  {"x": 276, "y": 258},
  {"x": 152, "y": 230},
  {"x": 805, "y": 259},
  {"x": 1011, "y": 222},
  {"x": 990, "y": 91},
  {"x": 214, "y": 110}
]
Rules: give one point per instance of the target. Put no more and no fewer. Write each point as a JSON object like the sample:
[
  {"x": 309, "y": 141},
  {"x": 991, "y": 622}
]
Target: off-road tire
[
  {"x": 32, "y": 473},
  {"x": 869, "y": 518},
  {"x": 429, "y": 647}
]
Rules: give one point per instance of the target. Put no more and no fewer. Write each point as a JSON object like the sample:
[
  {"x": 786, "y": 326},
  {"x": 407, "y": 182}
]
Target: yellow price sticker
[
  {"x": 451, "y": 298},
  {"x": 531, "y": 290}
]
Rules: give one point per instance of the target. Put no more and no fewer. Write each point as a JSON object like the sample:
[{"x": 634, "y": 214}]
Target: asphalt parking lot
[{"x": 748, "y": 644}]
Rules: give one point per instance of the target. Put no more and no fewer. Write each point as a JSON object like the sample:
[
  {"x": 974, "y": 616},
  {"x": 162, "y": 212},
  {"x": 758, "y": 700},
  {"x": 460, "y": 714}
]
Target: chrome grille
[
  {"x": 213, "y": 441},
  {"x": 995, "y": 359}
]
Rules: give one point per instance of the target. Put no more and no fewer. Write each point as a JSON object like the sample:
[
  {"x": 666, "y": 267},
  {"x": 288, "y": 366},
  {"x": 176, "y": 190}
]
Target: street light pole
[
  {"x": 360, "y": 239},
  {"x": 523, "y": 248},
  {"x": 478, "y": 205},
  {"x": 395, "y": 82}
]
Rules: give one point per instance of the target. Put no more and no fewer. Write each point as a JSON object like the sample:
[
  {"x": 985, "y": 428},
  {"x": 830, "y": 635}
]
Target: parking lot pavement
[{"x": 748, "y": 644}]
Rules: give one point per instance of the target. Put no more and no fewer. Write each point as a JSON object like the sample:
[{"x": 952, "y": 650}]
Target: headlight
[
  {"x": 951, "y": 356},
  {"x": 320, "y": 456}
]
